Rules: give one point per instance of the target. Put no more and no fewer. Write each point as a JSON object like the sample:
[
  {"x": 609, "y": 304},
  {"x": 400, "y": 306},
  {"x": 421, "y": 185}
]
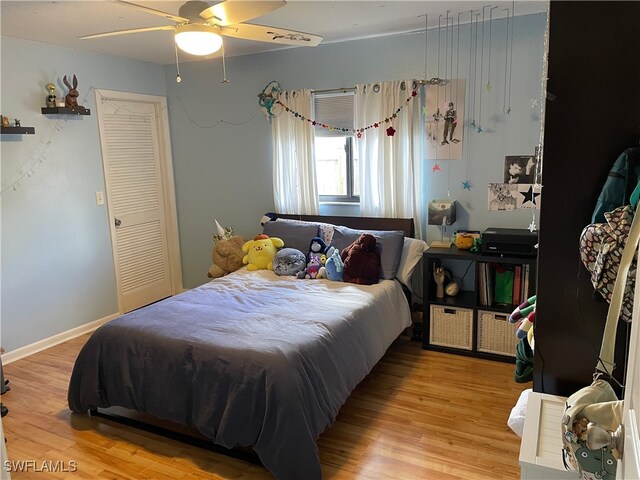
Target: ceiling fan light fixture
[{"x": 198, "y": 39}]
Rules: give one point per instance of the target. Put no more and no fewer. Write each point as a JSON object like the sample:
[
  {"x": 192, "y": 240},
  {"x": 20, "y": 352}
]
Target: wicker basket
[
  {"x": 451, "y": 327},
  {"x": 496, "y": 334}
]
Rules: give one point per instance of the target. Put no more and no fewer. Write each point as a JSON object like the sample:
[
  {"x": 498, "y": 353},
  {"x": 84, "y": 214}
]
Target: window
[{"x": 335, "y": 151}]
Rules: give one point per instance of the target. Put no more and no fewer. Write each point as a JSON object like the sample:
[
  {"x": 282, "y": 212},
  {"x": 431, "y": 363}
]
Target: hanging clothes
[{"x": 621, "y": 182}]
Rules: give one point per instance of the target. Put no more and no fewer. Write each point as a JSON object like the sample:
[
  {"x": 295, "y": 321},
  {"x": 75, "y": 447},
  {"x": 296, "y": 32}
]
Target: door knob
[{"x": 118, "y": 222}]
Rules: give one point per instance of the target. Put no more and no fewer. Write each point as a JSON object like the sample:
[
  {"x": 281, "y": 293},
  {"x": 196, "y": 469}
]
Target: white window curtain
[
  {"x": 294, "y": 172},
  {"x": 390, "y": 166}
]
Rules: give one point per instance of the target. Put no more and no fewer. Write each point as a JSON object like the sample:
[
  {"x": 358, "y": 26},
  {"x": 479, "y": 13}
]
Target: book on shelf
[
  {"x": 517, "y": 285},
  {"x": 513, "y": 284}
]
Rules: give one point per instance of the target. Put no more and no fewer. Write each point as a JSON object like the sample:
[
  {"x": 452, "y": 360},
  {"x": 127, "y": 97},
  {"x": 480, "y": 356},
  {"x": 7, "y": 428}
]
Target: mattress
[{"x": 249, "y": 360}]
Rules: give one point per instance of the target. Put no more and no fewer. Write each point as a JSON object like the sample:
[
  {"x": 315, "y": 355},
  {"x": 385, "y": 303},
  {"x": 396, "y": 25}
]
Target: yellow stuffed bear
[{"x": 260, "y": 252}]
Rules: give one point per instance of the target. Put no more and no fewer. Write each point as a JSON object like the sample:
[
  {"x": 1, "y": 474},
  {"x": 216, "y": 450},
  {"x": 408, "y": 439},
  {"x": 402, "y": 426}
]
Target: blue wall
[
  {"x": 57, "y": 262},
  {"x": 225, "y": 172},
  {"x": 57, "y": 266}
]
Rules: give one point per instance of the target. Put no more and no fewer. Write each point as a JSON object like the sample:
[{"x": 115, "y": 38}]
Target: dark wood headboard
[{"x": 361, "y": 223}]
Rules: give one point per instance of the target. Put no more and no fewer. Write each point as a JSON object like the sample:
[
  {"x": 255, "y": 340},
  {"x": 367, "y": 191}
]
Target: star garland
[{"x": 358, "y": 131}]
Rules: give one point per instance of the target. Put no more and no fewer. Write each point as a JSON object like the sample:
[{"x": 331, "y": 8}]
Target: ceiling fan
[{"x": 199, "y": 26}]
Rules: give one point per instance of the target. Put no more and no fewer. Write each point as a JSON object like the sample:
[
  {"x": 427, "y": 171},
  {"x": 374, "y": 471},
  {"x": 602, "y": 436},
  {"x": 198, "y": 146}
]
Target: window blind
[{"x": 335, "y": 109}]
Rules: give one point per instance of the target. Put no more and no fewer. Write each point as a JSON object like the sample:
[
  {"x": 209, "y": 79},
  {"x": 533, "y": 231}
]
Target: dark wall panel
[{"x": 592, "y": 115}]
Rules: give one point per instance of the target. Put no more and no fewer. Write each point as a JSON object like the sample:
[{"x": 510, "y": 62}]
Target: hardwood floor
[{"x": 418, "y": 415}]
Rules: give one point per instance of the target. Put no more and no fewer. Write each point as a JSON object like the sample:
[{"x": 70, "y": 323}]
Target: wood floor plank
[{"x": 418, "y": 415}]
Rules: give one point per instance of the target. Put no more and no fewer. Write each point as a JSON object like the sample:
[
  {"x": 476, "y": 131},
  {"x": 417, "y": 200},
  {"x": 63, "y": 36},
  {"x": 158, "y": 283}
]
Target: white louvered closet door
[{"x": 130, "y": 151}]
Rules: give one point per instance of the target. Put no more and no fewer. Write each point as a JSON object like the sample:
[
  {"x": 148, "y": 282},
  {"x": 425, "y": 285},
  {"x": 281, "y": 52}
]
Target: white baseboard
[{"x": 45, "y": 343}]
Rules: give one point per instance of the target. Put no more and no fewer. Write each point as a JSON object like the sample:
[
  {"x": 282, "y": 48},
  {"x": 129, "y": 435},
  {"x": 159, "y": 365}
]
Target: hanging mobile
[
  {"x": 481, "y": 71},
  {"x": 475, "y": 70},
  {"x": 458, "y": 59},
  {"x": 488, "y": 87},
  {"x": 506, "y": 60},
  {"x": 466, "y": 185},
  {"x": 446, "y": 62},
  {"x": 436, "y": 115},
  {"x": 513, "y": 11}
]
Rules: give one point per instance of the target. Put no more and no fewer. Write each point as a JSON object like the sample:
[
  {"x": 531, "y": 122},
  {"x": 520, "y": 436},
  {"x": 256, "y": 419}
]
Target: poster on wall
[
  {"x": 521, "y": 169},
  {"x": 444, "y": 120},
  {"x": 511, "y": 196},
  {"x": 503, "y": 197},
  {"x": 529, "y": 195}
]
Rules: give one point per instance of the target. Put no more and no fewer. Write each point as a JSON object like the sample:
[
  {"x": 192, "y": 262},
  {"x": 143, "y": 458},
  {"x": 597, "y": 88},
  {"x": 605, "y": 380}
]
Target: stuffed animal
[
  {"x": 334, "y": 265},
  {"x": 361, "y": 261},
  {"x": 317, "y": 245},
  {"x": 524, "y": 316},
  {"x": 227, "y": 256},
  {"x": 289, "y": 262},
  {"x": 315, "y": 259},
  {"x": 314, "y": 268},
  {"x": 260, "y": 252},
  {"x": 463, "y": 241}
]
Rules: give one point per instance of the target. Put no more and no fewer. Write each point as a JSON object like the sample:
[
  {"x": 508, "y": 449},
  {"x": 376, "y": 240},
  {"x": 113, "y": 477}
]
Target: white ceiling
[{"x": 61, "y": 22}]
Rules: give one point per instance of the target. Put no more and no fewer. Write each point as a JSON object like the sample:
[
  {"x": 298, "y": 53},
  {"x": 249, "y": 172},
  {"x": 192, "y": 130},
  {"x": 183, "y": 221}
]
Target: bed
[{"x": 248, "y": 360}]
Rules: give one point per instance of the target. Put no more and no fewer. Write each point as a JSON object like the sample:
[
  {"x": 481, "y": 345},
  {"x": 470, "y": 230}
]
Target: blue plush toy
[{"x": 334, "y": 265}]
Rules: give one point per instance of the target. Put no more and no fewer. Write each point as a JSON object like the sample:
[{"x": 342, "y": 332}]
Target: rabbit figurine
[{"x": 71, "y": 100}]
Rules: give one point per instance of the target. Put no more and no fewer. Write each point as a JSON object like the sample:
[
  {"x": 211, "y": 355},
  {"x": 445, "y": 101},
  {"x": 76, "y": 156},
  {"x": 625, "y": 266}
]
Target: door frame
[{"x": 168, "y": 185}]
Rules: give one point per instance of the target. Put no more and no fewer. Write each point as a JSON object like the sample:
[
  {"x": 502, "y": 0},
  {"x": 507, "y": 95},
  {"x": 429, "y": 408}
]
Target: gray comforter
[{"x": 250, "y": 359}]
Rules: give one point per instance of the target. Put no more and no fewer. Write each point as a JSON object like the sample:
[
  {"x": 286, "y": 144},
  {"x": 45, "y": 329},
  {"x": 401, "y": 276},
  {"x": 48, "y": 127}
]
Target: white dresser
[{"x": 541, "y": 447}]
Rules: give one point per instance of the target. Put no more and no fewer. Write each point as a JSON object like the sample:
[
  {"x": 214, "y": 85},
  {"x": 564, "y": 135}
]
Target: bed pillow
[
  {"x": 294, "y": 235},
  {"x": 412, "y": 251},
  {"x": 325, "y": 230},
  {"x": 388, "y": 242}
]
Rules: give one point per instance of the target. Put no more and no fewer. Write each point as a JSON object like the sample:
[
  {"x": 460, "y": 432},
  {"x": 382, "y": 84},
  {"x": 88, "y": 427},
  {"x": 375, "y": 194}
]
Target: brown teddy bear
[
  {"x": 361, "y": 261},
  {"x": 227, "y": 256}
]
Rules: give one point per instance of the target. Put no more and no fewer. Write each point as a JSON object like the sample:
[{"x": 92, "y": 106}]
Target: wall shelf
[
  {"x": 65, "y": 111},
  {"x": 18, "y": 130}
]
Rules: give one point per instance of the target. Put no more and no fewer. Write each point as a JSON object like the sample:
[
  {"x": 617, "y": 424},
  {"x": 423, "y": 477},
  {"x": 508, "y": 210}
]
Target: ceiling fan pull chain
[
  {"x": 224, "y": 67},
  {"x": 178, "y": 77}
]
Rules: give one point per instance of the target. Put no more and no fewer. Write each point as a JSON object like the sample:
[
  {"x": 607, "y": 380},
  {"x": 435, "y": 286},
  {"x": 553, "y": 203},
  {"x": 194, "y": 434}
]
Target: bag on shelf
[
  {"x": 601, "y": 246},
  {"x": 591, "y": 423},
  {"x": 591, "y": 435}
]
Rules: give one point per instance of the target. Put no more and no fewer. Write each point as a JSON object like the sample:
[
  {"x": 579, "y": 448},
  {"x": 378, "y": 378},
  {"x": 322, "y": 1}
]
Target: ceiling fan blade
[
  {"x": 153, "y": 11},
  {"x": 263, "y": 33},
  {"x": 124, "y": 32},
  {"x": 231, "y": 12}
]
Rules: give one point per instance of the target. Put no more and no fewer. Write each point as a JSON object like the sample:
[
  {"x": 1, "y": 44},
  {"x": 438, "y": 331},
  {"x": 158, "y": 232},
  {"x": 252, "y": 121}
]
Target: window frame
[
  {"x": 350, "y": 197},
  {"x": 350, "y": 148}
]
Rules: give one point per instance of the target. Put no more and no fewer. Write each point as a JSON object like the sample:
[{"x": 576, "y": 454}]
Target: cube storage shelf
[{"x": 462, "y": 324}]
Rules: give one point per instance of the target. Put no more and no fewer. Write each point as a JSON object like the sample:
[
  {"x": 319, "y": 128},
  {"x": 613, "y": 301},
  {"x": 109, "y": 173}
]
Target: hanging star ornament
[
  {"x": 391, "y": 131},
  {"x": 532, "y": 226},
  {"x": 466, "y": 185},
  {"x": 436, "y": 168},
  {"x": 479, "y": 129}
]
